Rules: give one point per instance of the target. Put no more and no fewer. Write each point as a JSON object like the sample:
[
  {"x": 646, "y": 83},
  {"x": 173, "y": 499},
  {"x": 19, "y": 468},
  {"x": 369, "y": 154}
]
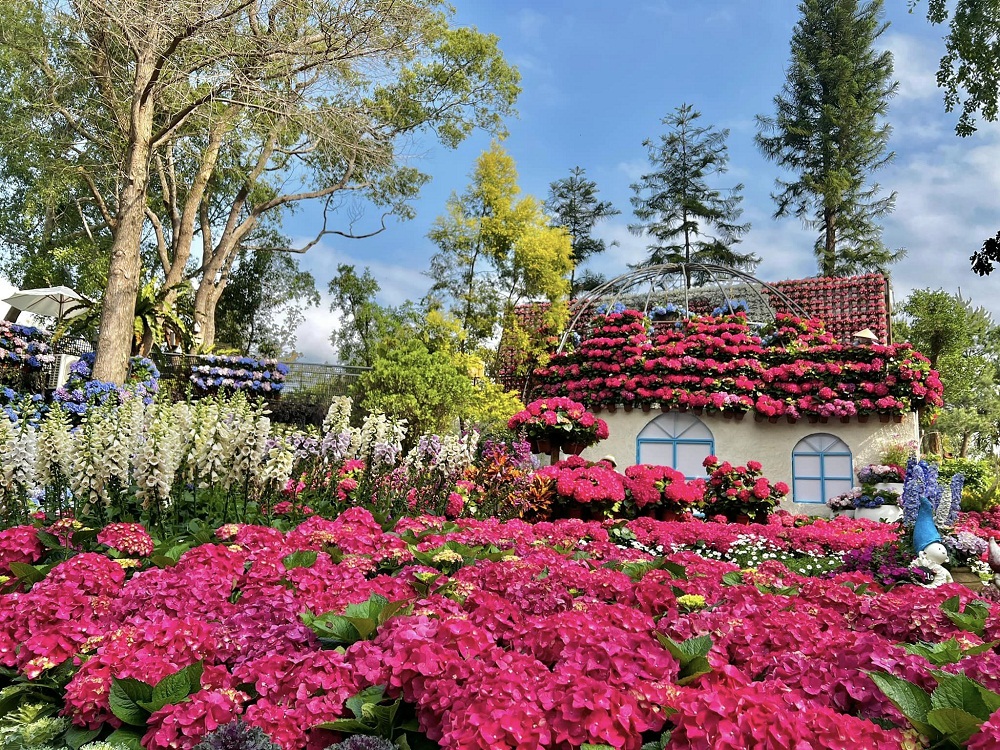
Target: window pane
[
  {"x": 834, "y": 487},
  {"x": 690, "y": 457},
  {"x": 840, "y": 467},
  {"x": 807, "y": 465},
  {"x": 808, "y": 491},
  {"x": 658, "y": 454}
]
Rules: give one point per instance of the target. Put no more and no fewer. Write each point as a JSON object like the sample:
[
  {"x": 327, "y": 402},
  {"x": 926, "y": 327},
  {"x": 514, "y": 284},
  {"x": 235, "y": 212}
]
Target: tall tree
[
  {"x": 574, "y": 206},
  {"x": 363, "y": 323},
  {"x": 963, "y": 344},
  {"x": 263, "y": 303},
  {"x": 238, "y": 109},
  {"x": 495, "y": 249},
  {"x": 829, "y": 130},
  {"x": 687, "y": 220}
]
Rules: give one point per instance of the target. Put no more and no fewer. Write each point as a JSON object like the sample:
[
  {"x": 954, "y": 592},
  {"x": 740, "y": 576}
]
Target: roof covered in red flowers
[{"x": 845, "y": 305}]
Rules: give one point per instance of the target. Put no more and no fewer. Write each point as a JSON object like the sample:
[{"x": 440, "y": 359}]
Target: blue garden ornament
[{"x": 925, "y": 532}]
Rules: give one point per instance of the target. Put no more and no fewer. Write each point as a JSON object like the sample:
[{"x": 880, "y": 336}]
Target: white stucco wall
[{"x": 770, "y": 444}]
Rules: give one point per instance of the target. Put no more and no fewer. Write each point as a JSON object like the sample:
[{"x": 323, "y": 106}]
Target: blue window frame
[
  {"x": 680, "y": 441},
  {"x": 822, "y": 467}
]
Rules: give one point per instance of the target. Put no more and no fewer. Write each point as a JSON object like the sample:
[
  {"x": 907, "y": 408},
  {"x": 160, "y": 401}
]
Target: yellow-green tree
[{"x": 496, "y": 249}]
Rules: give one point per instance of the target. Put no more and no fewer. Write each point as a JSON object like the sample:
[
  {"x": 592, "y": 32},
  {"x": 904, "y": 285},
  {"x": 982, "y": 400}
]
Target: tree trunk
[
  {"x": 829, "y": 264},
  {"x": 124, "y": 274}
]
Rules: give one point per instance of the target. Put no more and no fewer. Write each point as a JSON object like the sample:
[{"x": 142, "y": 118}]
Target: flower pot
[
  {"x": 646, "y": 408},
  {"x": 533, "y": 444},
  {"x": 790, "y": 419},
  {"x": 738, "y": 416},
  {"x": 863, "y": 418},
  {"x": 741, "y": 518},
  {"x": 664, "y": 408},
  {"x": 967, "y": 578},
  {"x": 773, "y": 419},
  {"x": 823, "y": 420},
  {"x": 667, "y": 514},
  {"x": 758, "y": 417},
  {"x": 544, "y": 445},
  {"x": 813, "y": 418},
  {"x": 897, "y": 418},
  {"x": 628, "y": 408},
  {"x": 883, "y": 513},
  {"x": 884, "y": 418},
  {"x": 682, "y": 407},
  {"x": 845, "y": 420},
  {"x": 611, "y": 408},
  {"x": 573, "y": 449},
  {"x": 846, "y": 512}
]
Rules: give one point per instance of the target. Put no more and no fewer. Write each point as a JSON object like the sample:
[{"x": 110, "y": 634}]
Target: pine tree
[
  {"x": 573, "y": 204},
  {"x": 676, "y": 206},
  {"x": 829, "y": 130}
]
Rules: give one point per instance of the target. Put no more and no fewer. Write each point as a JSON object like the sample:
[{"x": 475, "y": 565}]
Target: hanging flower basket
[
  {"x": 544, "y": 445},
  {"x": 573, "y": 449}
]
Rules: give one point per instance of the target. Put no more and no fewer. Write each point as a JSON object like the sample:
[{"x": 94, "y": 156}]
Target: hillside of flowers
[
  {"x": 482, "y": 634},
  {"x": 190, "y": 576},
  {"x": 721, "y": 364}
]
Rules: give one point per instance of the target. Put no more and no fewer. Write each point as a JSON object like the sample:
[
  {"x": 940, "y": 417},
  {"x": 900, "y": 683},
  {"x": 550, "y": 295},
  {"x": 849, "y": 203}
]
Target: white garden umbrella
[{"x": 59, "y": 302}]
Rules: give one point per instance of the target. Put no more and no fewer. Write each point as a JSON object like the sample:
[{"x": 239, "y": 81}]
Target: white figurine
[{"x": 933, "y": 557}]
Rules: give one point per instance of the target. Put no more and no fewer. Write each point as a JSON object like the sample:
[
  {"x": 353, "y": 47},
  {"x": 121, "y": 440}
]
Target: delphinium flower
[
  {"x": 914, "y": 487},
  {"x": 956, "y": 486}
]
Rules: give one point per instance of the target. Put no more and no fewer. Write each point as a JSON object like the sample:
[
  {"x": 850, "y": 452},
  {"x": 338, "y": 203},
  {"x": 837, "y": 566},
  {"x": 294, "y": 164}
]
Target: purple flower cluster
[{"x": 222, "y": 373}]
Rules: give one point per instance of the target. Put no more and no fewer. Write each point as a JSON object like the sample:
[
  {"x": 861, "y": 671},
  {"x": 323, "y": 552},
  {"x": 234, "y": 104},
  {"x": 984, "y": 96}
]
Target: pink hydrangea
[
  {"x": 19, "y": 544},
  {"x": 128, "y": 538}
]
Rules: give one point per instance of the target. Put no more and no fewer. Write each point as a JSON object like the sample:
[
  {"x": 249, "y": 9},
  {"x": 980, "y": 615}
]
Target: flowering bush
[
  {"x": 80, "y": 391},
  {"x": 215, "y": 373},
  {"x": 580, "y": 482},
  {"x": 740, "y": 490},
  {"x": 23, "y": 348},
  {"x": 845, "y": 501},
  {"x": 560, "y": 420},
  {"x": 878, "y": 473},
  {"x": 662, "y": 486},
  {"x": 871, "y": 497}
]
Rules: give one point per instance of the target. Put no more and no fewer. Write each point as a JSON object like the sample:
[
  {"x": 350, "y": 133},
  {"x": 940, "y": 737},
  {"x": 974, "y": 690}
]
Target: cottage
[{"x": 787, "y": 392}]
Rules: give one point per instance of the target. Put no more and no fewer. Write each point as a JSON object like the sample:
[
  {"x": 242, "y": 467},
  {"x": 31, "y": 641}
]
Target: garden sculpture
[
  {"x": 994, "y": 561},
  {"x": 931, "y": 553}
]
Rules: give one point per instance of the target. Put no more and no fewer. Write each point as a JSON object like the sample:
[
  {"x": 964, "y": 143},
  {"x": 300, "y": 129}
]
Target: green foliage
[
  {"x": 979, "y": 474},
  {"x": 357, "y": 623},
  {"x": 262, "y": 304},
  {"x": 963, "y": 344},
  {"x": 363, "y": 322},
  {"x": 375, "y": 715},
  {"x": 686, "y": 220},
  {"x": 691, "y": 654},
  {"x": 829, "y": 131},
  {"x": 971, "y": 64},
  {"x": 971, "y": 619},
  {"x": 132, "y": 701},
  {"x": 949, "y": 715},
  {"x": 427, "y": 389},
  {"x": 496, "y": 248},
  {"x": 574, "y": 206},
  {"x": 946, "y": 652}
]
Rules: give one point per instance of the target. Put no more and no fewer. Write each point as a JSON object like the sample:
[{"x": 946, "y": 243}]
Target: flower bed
[
  {"x": 721, "y": 365},
  {"x": 490, "y": 635},
  {"x": 215, "y": 373}
]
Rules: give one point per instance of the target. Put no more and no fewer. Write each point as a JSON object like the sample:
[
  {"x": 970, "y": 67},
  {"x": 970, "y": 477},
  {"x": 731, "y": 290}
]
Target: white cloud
[{"x": 914, "y": 67}]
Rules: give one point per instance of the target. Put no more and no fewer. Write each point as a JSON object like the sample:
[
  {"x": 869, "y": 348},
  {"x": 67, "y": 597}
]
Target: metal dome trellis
[{"x": 692, "y": 288}]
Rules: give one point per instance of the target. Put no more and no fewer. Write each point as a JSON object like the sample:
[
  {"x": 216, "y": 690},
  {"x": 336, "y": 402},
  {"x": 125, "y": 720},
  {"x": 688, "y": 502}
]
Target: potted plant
[
  {"x": 843, "y": 505},
  {"x": 877, "y": 504},
  {"x": 558, "y": 423},
  {"x": 740, "y": 493},
  {"x": 882, "y": 477},
  {"x": 661, "y": 491}
]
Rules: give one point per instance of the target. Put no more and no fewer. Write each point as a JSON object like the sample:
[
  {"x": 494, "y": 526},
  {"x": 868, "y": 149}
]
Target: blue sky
[{"x": 597, "y": 79}]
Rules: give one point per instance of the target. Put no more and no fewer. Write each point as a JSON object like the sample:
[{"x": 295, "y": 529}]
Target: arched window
[
  {"x": 822, "y": 467},
  {"x": 680, "y": 441}
]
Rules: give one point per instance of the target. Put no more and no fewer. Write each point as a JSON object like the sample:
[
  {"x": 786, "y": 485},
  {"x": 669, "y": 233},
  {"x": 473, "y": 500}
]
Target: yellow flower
[{"x": 691, "y": 602}]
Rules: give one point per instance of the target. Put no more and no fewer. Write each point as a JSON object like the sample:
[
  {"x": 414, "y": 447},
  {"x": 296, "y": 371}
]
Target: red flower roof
[{"x": 845, "y": 304}]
